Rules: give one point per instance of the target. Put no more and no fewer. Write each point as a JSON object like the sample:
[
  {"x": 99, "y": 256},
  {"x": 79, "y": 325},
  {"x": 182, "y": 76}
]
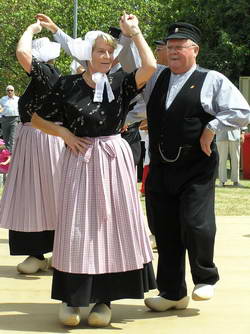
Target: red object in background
[
  {"x": 246, "y": 156},
  {"x": 144, "y": 176}
]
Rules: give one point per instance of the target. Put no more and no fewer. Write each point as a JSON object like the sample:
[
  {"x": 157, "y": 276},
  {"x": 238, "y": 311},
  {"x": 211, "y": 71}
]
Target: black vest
[{"x": 183, "y": 122}]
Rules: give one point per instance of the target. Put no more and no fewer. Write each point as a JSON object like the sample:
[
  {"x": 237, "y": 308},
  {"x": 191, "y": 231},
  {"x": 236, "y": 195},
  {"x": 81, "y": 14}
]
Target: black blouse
[
  {"x": 71, "y": 102},
  {"x": 43, "y": 78}
]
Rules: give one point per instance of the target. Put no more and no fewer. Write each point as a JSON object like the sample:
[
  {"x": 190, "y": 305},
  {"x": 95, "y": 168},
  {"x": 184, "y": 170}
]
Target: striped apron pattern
[
  {"x": 101, "y": 225},
  {"x": 30, "y": 196}
]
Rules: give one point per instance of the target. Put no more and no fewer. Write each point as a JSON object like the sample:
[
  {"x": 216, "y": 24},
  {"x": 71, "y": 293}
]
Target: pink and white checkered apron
[
  {"x": 29, "y": 200},
  {"x": 101, "y": 225}
]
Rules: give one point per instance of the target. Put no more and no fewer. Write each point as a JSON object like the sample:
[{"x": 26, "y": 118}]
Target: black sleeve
[
  {"x": 52, "y": 104},
  {"x": 45, "y": 75},
  {"x": 129, "y": 88}
]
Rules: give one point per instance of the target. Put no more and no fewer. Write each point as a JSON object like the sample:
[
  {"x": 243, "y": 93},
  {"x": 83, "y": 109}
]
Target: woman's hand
[
  {"x": 47, "y": 23},
  {"x": 4, "y": 163},
  {"x": 76, "y": 144},
  {"x": 124, "y": 128},
  {"x": 129, "y": 24},
  {"x": 35, "y": 28},
  {"x": 144, "y": 125}
]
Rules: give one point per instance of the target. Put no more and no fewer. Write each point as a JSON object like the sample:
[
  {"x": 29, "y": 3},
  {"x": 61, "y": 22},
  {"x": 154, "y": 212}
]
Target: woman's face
[{"x": 102, "y": 56}]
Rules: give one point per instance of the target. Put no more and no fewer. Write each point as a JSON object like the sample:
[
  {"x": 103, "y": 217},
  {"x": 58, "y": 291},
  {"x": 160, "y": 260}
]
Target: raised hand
[
  {"x": 35, "y": 27},
  {"x": 47, "y": 23},
  {"x": 129, "y": 24}
]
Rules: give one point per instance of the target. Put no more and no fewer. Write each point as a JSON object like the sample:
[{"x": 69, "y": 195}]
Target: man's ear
[{"x": 196, "y": 50}]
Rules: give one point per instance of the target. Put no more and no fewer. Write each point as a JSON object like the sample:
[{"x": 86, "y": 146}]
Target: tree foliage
[
  {"x": 98, "y": 14},
  {"x": 225, "y": 26}
]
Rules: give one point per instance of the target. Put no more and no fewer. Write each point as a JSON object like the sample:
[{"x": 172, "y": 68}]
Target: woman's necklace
[{"x": 88, "y": 79}]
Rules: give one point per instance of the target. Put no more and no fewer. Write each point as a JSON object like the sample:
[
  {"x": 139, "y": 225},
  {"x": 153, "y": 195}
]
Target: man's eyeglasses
[
  {"x": 10, "y": 90},
  {"x": 179, "y": 47}
]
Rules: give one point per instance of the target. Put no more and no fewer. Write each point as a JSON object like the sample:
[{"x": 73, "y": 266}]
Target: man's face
[
  {"x": 161, "y": 54},
  {"x": 10, "y": 92},
  {"x": 181, "y": 54}
]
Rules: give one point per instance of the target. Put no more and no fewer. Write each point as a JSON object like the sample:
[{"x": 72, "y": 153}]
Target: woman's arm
[
  {"x": 4, "y": 163},
  {"x": 51, "y": 112},
  {"x": 76, "y": 144},
  {"x": 129, "y": 27},
  {"x": 24, "y": 49},
  {"x": 59, "y": 35}
]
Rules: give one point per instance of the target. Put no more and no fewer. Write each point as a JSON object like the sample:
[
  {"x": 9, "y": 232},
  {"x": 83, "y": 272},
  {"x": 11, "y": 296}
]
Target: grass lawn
[{"x": 229, "y": 201}]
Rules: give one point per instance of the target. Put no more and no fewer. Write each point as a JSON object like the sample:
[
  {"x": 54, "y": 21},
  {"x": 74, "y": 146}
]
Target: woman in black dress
[
  {"x": 28, "y": 206},
  {"x": 101, "y": 250}
]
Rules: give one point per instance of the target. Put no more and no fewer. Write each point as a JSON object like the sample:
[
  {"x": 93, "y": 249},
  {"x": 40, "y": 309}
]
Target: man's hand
[
  {"x": 47, "y": 23},
  {"x": 206, "y": 140}
]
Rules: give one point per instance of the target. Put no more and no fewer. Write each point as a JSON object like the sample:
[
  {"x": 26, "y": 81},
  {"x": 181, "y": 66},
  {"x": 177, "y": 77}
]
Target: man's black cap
[
  {"x": 160, "y": 42},
  {"x": 182, "y": 30},
  {"x": 115, "y": 32}
]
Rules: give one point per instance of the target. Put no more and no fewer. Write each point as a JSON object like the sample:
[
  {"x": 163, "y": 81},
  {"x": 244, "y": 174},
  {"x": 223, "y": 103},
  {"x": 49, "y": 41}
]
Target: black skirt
[
  {"x": 30, "y": 243},
  {"x": 83, "y": 289}
]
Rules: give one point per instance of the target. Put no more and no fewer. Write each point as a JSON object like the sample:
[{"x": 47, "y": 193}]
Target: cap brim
[
  {"x": 177, "y": 36},
  {"x": 160, "y": 42}
]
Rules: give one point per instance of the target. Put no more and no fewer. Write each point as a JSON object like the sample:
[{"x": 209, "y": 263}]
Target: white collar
[{"x": 100, "y": 79}]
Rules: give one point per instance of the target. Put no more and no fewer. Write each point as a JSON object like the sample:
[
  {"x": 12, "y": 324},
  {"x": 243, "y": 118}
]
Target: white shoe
[
  {"x": 160, "y": 304},
  {"x": 69, "y": 316},
  {"x": 99, "y": 316},
  {"x": 50, "y": 263},
  {"x": 32, "y": 265},
  {"x": 203, "y": 292},
  {"x": 152, "y": 241}
]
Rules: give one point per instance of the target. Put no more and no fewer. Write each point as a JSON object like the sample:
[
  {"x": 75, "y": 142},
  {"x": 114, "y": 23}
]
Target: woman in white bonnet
[
  {"x": 28, "y": 205},
  {"x": 101, "y": 250}
]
